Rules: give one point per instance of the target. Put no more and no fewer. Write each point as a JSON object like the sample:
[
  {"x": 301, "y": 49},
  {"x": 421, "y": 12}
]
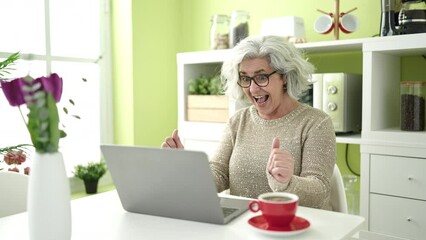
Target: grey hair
[{"x": 283, "y": 56}]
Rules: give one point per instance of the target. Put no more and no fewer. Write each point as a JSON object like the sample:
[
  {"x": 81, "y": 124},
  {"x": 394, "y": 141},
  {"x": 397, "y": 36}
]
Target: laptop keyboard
[{"x": 228, "y": 211}]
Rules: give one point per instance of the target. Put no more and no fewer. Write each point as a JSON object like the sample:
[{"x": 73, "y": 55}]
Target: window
[{"x": 68, "y": 38}]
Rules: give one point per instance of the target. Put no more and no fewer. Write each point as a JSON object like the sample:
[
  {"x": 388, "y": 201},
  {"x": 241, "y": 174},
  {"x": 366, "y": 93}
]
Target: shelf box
[{"x": 207, "y": 108}]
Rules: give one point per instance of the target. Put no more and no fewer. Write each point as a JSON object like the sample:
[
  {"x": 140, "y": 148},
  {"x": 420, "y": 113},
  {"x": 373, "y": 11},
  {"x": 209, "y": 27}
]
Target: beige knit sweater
[{"x": 239, "y": 163}]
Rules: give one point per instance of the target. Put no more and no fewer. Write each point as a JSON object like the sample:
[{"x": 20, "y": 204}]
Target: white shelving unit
[{"x": 393, "y": 162}]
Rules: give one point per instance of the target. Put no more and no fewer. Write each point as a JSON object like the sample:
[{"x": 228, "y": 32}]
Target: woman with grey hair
[{"x": 277, "y": 143}]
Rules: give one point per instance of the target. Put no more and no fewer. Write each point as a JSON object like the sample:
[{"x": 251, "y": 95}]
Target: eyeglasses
[{"x": 261, "y": 80}]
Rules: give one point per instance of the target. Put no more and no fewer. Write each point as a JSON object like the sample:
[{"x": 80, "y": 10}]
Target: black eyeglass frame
[{"x": 253, "y": 79}]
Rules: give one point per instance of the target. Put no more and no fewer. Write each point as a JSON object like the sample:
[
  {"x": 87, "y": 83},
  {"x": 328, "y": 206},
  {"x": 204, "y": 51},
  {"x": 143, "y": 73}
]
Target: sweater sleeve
[
  {"x": 219, "y": 163},
  {"x": 312, "y": 185}
]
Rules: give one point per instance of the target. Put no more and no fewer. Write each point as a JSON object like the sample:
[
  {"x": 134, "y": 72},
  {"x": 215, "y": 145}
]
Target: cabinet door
[
  {"x": 400, "y": 217},
  {"x": 398, "y": 176}
]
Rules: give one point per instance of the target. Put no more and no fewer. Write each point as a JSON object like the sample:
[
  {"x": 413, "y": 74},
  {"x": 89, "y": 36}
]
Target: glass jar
[
  {"x": 413, "y": 106},
  {"x": 239, "y": 28},
  {"x": 219, "y": 32}
]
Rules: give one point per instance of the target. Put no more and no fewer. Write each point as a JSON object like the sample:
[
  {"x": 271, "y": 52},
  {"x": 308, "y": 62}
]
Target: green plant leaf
[
  {"x": 193, "y": 87},
  {"x": 53, "y": 123},
  {"x": 5, "y": 65},
  {"x": 91, "y": 171}
]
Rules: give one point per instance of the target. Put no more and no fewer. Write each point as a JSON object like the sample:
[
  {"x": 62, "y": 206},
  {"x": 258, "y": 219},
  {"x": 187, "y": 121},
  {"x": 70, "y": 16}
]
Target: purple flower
[
  {"x": 52, "y": 84},
  {"x": 13, "y": 91},
  {"x": 15, "y": 94}
]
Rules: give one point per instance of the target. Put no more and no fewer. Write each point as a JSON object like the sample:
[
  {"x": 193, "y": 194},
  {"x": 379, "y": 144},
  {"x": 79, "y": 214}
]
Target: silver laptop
[{"x": 169, "y": 183}]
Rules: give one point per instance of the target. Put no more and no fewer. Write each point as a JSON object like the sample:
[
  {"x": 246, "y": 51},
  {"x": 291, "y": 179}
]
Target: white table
[{"x": 101, "y": 216}]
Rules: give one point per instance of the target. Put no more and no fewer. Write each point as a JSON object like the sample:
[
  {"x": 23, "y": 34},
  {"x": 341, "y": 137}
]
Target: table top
[{"x": 101, "y": 216}]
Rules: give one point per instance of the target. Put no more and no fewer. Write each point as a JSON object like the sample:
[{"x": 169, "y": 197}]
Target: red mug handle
[{"x": 254, "y": 206}]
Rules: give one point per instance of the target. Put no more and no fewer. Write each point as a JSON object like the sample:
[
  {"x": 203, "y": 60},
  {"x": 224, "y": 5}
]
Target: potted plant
[
  {"x": 205, "y": 100},
  {"x": 90, "y": 173}
]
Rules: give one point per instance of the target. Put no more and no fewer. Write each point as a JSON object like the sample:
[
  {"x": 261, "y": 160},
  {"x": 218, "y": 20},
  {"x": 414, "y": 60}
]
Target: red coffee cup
[{"x": 278, "y": 208}]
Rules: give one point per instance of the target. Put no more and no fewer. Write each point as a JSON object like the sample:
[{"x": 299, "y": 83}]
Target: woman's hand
[
  {"x": 173, "y": 141},
  {"x": 280, "y": 163}
]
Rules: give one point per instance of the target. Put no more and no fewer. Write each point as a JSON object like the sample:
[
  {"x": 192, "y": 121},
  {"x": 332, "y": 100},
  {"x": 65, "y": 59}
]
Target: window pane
[
  {"x": 74, "y": 32},
  {"x": 22, "y": 27},
  {"x": 83, "y": 135},
  {"x": 75, "y": 28}
]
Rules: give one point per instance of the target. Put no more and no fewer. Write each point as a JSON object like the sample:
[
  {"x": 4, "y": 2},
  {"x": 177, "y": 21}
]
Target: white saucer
[{"x": 297, "y": 226}]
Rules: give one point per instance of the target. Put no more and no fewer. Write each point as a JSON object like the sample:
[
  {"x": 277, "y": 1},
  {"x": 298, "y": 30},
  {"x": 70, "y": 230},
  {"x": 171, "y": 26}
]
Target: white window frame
[{"x": 104, "y": 61}]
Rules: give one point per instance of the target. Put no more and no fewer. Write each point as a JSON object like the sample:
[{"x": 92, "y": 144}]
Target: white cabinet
[
  {"x": 395, "y": 198},
  {"x": 398, "y": 196},
  {"x": 400, "y": 217},
  {"x": 389, "y": 156},
  {"x": 393, "y": 162}
]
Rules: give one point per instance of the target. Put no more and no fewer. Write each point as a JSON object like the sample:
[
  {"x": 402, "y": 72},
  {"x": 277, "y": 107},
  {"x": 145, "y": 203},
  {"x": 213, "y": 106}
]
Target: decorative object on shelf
[
  {"x": 90, "y": 173},
  {"x": 205, "y": 100},
  {"x": 219, "y": 32},
  {"x": 336, "y": 21},
  {"x": 291, "y": 27},
  {"x": 48, "y": 200},
  {"x": 239, "y": 27}
]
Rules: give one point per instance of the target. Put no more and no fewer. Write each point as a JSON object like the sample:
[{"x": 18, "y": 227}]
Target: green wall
[
  {"x": 147, "y": 35},
  {"x": 122, "y": 61},
  {"x": 155, "y": 31}
]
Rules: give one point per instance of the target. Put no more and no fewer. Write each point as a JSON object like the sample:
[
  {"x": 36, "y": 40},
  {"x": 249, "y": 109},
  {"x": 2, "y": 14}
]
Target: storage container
[
  {"x": 413, "y": 106},
  {"x": 219, "y": 32},
  {"x": 239, "y": 27}
]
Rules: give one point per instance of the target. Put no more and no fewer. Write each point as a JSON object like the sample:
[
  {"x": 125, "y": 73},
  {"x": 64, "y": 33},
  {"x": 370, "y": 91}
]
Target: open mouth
[{"x": 261, "y": 99}]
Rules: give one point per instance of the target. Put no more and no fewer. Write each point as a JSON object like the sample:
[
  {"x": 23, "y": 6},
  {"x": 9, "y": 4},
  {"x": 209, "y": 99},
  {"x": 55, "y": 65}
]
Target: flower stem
[{"x": 22, "y": 115}]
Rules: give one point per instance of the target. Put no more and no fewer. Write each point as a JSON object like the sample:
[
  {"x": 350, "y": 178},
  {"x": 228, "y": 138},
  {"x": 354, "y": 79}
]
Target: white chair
[
  {"x": 338, "y": 195},
  {"x": 13, "y": 190}
]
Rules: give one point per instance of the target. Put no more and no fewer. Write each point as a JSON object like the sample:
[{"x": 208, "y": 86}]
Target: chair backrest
[
  {"x": 338, "y": 195},
  {"x": 13, "y": 190}
]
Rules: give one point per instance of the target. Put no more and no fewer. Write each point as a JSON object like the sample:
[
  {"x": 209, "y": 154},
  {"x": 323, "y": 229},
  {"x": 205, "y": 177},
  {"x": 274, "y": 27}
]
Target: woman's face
[{"x": 269, "y": 100}]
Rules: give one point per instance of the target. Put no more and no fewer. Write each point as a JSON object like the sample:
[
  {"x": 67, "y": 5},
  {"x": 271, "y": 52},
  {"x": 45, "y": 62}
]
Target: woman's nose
[{"x": 253, "y": 86}]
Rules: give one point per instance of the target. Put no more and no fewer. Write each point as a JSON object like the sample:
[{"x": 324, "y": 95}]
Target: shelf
[
  {"x": 349, "y": 139},
  {"x": 403, "y": 45},
  {"x": 210, "y": 56},
  {"x": 332, "y": 46},
  {"x": 396, "y": 137}
]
